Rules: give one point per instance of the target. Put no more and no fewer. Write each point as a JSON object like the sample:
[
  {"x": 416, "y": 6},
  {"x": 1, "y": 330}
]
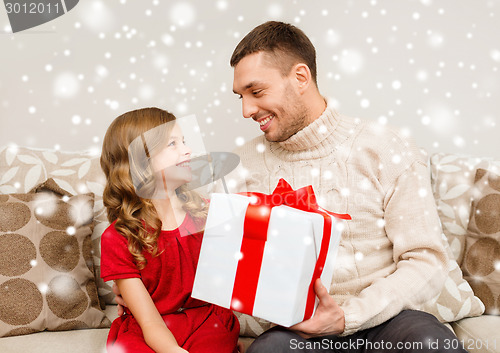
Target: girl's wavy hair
[{"x": 136, "y": 217}]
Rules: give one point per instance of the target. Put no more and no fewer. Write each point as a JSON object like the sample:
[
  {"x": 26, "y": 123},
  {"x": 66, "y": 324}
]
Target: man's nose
[{"x": 249, "y": 108}]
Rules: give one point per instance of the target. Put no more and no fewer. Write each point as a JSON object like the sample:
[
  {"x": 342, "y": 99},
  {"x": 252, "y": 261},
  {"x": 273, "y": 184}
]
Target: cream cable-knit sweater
[{"x": 390, "y": 257}]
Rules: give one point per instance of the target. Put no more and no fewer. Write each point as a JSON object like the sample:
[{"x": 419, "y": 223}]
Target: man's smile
[{"x": 265, "y": 122}]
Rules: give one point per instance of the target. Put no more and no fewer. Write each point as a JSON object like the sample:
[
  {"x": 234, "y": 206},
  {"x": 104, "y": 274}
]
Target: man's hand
[
  {"x": 328, "y": 319},
  {"x": 119, "y": 300}
]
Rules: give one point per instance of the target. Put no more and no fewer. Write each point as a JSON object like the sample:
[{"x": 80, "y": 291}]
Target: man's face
[{"x": 269, "y": 98}]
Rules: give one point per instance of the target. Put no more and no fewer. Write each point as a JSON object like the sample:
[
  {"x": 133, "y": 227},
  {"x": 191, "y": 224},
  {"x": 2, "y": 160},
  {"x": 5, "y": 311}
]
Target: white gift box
[{"x": 289, "y": 257}]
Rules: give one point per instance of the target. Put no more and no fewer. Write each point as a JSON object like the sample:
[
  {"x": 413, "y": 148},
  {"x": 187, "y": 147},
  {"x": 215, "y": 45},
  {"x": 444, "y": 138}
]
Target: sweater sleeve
[
  {"x": 412, "y": 225},
  {"x": 116, "y": 260}
]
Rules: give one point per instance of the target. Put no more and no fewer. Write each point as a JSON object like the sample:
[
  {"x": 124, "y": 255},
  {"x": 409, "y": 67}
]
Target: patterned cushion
[
  {"x": 481, "y": 264},
  {"x": 452, "y": 178},
  {"x": 78, "y": 173},
  {"x": 456, "y": 300},
  {"x": 452, "y": 181},
  {"x": 46, "y": 267},
  {"x": 251, "y": 326}
]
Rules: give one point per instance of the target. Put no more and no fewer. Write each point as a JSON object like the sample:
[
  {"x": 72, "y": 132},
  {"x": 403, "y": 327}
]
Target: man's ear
[{"x": 303, "y": 77}]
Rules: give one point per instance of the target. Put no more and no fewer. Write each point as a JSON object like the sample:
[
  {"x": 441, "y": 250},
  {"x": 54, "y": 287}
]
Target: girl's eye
[{"x": 171, "y": 143}]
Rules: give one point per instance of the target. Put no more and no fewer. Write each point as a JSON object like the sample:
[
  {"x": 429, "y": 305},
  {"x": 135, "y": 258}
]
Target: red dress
[{"x": 196, "y": 325}]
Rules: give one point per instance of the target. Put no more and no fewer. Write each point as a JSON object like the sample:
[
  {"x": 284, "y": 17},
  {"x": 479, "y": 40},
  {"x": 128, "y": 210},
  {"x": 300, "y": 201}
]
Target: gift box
[{"x": 261, "y": 254}]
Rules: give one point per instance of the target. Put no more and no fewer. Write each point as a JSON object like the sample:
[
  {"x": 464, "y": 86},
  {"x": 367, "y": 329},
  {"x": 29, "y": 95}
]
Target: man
[{"x": 390, "y": 258}]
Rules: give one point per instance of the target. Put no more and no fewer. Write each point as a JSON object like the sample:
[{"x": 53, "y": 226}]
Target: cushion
[
  {"x": 78, "y": 173},
  {"x": 452, "y": 179},
  {"x": 456, "y": 300},
  {"x": 479, "y": 334},
  {"x": 46, "y": 266},
  {"x": 251, "y": 326},
  {"x": 481, "y": 264}
]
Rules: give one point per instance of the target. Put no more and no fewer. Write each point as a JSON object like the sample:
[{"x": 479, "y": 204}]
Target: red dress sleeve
[{"x": 116, "y": 260}]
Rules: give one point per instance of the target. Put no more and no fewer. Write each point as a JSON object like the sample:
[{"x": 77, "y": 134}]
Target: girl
[{"x": 152, "y": 246}]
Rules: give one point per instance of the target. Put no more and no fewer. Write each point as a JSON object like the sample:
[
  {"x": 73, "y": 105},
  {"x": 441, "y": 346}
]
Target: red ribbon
[{"x": 254, "y": 240}]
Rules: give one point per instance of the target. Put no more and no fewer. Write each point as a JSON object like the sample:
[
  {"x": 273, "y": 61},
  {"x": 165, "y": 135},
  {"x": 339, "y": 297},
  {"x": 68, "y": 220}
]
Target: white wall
[{"x": 430, "y": 66}]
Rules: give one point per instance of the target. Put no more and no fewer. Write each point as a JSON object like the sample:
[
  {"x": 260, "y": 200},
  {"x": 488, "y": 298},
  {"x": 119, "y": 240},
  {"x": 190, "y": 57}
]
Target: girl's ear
[{"x": 302, "y": 76}]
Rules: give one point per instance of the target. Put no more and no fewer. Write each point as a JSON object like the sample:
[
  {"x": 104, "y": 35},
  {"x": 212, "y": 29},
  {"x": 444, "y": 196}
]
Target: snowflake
[
  {"x": 66, "y": 85},
  {"x": 351, "y": 61},
  {"x": 183, "y": 14}
]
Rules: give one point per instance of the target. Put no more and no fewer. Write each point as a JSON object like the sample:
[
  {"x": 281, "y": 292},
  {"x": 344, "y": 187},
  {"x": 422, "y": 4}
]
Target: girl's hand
[
  {"x": 241, "y": 347},
  {"x": 119, "y": 300}
]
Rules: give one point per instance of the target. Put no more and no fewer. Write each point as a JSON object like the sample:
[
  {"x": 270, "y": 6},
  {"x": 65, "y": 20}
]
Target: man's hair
[{"x": 285, "y": 44}]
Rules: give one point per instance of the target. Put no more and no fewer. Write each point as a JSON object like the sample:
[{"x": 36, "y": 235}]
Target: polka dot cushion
[
  {"x": 481, "y": 264},
  {"x": 452, "y": 182},
  {"x": 46, "y": 266},
  {"x": 22, "y": 168}
]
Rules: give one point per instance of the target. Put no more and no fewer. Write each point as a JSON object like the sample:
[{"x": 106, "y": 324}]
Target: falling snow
[{"x": 404, "y": 66}]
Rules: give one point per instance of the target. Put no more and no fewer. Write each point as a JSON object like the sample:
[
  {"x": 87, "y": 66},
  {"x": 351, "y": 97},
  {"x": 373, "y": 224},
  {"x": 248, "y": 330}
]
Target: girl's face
[{"x": 171, "y": 162}]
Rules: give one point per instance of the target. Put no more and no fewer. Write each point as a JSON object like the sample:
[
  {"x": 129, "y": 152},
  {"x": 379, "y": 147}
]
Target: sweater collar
[{"x": 313, "y": 135}]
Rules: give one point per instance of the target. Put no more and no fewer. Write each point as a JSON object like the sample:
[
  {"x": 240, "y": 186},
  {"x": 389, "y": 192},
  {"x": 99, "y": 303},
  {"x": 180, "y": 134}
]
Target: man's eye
[{"x": 256, "y": 93}]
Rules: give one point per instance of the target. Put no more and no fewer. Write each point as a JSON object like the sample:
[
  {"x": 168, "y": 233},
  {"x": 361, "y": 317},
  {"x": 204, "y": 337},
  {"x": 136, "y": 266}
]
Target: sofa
[{"x": 52, "y": 216}]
